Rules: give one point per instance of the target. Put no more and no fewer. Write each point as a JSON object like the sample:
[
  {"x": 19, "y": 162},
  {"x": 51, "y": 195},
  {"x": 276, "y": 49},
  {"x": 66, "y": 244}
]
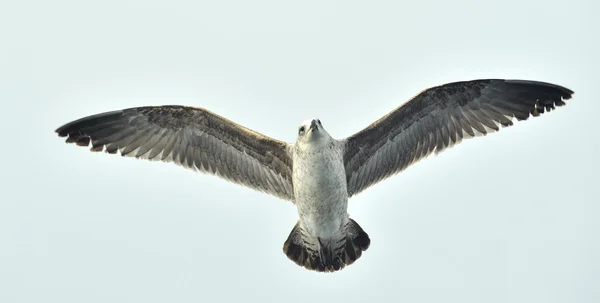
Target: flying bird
[{"x": 318, "y": 173}]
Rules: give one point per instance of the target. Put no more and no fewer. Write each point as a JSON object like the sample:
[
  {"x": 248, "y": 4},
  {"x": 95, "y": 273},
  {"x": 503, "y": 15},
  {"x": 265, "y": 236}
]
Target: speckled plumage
[
  {"x": 317, "y": 172},
  {"x": 320, "y": 188},
  {"x": 321, "y": 197}
]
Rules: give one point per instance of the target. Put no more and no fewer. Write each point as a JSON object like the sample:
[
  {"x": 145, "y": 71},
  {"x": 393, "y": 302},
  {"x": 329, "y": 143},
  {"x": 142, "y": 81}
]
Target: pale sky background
[{"x": 511, "y": 217}]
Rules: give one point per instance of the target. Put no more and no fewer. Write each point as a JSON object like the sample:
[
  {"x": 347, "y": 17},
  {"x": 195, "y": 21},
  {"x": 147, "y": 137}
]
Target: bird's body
[
  {"x": 320, "y": 194},
  {"x": 320, "y": 189},
  {"x": 318, "y": 173}
]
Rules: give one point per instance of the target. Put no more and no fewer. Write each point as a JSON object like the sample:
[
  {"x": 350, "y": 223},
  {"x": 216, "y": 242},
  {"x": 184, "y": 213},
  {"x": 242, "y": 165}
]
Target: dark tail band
[{"x": 326, "y": 257}]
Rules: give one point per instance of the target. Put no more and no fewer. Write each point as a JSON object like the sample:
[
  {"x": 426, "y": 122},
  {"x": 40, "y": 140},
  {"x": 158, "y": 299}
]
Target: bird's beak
[{"x": 313, "y": 125}]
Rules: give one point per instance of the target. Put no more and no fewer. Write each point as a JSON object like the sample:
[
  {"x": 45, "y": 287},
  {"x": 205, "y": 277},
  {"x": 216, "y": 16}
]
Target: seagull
[{"x": 318, "y": 173}]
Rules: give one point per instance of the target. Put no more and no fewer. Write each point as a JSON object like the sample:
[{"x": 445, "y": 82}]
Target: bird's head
[{"x": 311, "y": 132}]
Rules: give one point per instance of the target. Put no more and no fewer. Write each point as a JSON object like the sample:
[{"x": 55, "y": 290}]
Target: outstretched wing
[
  {"x": 192, "y": 137},
  {"x": 438, "y": 118}
]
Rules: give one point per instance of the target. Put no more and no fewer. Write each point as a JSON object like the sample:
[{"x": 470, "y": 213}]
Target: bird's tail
[{"x": 326, "y": 255}]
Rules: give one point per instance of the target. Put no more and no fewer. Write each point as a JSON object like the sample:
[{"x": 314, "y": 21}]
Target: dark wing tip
[
  {"x": 539, "y": 97},
  {"x": 62, "y": 131},
  {"x": 75, "y": 131},
  {"x": 561, "y": 91}
]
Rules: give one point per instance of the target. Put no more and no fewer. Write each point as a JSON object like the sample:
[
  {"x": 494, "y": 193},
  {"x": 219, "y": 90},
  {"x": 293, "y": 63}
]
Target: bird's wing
[
  {"x": 438, "y": 118},
  {"x": 192, "y": 137}
]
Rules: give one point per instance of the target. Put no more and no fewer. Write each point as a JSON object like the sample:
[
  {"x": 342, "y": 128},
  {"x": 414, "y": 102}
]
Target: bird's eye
[
  {"x": 319, "y": 121},
  {"x": 301, "y": 130}
]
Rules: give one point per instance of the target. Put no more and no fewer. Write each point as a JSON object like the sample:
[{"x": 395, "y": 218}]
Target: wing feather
[
  {"x": 193, "y": 138},
  {"x": 441, "y": 117}
]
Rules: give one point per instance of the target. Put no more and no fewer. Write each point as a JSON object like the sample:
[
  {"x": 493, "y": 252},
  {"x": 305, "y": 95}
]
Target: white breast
[{"x": 320, "y": 189}]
